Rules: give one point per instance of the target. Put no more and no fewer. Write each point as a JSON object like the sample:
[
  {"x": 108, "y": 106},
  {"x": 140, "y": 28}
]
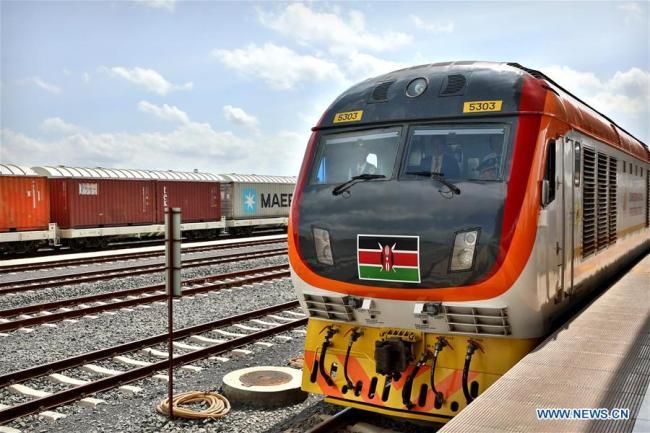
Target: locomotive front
[{"x": 404, "y": 241}]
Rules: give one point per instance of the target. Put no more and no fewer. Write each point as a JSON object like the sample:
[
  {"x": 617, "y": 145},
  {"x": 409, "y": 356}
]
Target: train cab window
[
  {"x": 458, "y": 153},
  {"x": 549, "y": 173},
  {"x": 343, "y": 156}
]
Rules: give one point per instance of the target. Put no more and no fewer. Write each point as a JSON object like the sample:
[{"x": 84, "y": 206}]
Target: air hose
[
  {"x": 471, "y": 348},
  {"x": 440, "y": 344},
  {"x": 218, "y": 405},
  {"x": 408, "y": 385},
  {"x": 354, "y": 336},
  {"x": 331, "y": 330}
]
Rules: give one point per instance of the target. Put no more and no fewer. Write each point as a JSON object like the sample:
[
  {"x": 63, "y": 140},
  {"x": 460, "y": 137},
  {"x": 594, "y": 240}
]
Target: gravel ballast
[
  {"x": 14, "y": 300},
  {"x": 46, "y": 344}
]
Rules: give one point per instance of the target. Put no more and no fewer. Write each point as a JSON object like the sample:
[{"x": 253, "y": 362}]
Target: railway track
[
  {"x": 198, "y": 346},
  {"x": 106, "y": 274},
  {"x": 337, "y": 421},
  {"x": 127, "y": 256},
  {"x": 55, "y": 311}
]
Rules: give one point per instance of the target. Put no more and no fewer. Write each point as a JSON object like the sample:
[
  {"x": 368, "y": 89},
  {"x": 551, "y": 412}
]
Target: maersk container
[
  {"x": 254, "y": 196},
  {"x": 24, "y": 199}
]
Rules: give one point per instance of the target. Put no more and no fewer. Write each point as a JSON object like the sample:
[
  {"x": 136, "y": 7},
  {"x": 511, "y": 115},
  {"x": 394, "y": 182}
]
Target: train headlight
[
  {"x": 416, "y": 87},
  {"x": 462, "y": 256},
  {"x": 323, "y": 246}
]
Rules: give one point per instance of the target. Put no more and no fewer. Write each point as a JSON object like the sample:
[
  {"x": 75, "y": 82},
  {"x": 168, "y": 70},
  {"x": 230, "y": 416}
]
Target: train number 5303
[
  {"x": 480, "y": 106},
  {"x": 348, "y": 116}
]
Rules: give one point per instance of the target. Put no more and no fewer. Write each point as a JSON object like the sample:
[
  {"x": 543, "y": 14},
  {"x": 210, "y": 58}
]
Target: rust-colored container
[
  {"x": 199, "y": 201},
  {"x": 24, "y": 200},
  {"x": 82, "y": 203}
]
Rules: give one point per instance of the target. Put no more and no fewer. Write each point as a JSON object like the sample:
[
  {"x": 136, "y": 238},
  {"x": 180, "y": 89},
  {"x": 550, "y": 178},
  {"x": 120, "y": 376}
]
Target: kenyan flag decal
[{"x": 389, "y": 258}]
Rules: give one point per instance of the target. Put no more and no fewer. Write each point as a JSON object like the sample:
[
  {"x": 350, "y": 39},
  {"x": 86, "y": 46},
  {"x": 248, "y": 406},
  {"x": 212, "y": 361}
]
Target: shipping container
[
  {"x": 199, "y": 200},
  {"x": 106, "y": 197},
  {"x": 24, "y": 199},
  {"x": 254, "y": 196}
]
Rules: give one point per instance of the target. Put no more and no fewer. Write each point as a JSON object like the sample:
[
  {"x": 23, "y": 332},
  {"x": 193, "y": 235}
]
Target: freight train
[
  {"x": 88, "y": 207},
  {"x": 445, "y": 216}
]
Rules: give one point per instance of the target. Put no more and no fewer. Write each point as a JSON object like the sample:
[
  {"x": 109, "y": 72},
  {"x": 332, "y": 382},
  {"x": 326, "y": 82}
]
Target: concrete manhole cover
[
  {"x": 265, "y": 378},
  {"x": 264, "y": 386}
]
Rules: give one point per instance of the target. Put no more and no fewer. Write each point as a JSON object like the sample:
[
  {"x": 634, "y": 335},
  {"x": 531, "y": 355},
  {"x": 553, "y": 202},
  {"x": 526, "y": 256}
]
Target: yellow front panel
[{"x": 497, "y": 357}]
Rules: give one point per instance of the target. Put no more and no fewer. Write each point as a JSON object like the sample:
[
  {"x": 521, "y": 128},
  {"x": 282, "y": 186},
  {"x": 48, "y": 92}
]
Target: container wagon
[
  {"x": 93, "y": 205},
  {"x": 24, "y": 210}
]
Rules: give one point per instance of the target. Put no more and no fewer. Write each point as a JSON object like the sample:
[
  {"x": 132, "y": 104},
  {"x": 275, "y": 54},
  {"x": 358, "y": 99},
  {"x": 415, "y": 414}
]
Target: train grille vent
[
  {"x": 602, "y": 233},
  {"x": 329, "y": 307},
  {"x": 588, "y": 204},
  {"x": 611, "y": 173},
  {"x": 484, "y": 321},
  {"x": 380, "y": 93},
  {"x": 453, "y": 85}
]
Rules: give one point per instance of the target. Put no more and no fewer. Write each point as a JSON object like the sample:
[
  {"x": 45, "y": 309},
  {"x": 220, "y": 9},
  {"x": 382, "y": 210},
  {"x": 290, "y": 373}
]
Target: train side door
[
  {"x": 572, "y": 157},
  {"x": 553, "y": 198}
]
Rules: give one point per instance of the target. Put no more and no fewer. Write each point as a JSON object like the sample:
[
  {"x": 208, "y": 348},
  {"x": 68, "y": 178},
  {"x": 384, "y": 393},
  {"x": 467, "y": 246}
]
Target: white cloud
[
  {"x": 57, "y": 125},
  {"x": 448, "y": 27},
  {"x": 86, "y": 77},
  {"x": 624, "y": 97},
  {"x": 633, "y": 13},
  {"x": 165, "y": 112},
  {"x": 239, "y": 117},
  {"x": 360, "y": 66},
  {"x": 189, "y": 145},
  {"x": 633, "y": 8},
  {"x": 168, "y": 5},
  {"x": 308, "y": 26},
  {"x": 280, "y": 67},
  {"x": 45, "y": 85},
  {"x": 149, "y": 79}
]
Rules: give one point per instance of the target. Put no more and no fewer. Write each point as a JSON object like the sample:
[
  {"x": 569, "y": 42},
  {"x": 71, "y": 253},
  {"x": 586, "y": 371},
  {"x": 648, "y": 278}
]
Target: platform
[{"x": 599, "y": 359}]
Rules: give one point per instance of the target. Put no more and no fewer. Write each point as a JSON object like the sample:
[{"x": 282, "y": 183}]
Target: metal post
[{"x": 173, "y": 264}]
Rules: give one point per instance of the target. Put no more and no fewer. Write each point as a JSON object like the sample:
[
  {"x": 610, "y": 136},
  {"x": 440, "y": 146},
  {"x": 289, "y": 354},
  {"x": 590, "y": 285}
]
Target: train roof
[
  {"x": 450, "y": 84},
  {"x": 121, "y": 173},
  {"x": 256, "y": 178},
  {"x": 16, "y": 170}
]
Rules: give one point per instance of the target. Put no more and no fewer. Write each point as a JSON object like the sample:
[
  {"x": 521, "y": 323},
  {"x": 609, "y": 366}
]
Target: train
[
  {"x": 445, "y": 218},
  {"x": 85, "y": 208}
]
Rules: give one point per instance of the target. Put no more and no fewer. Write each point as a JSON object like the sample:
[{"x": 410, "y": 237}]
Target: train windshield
[
  {"x": 343, "y": 156},
  {"x": 468, "y": 153}
]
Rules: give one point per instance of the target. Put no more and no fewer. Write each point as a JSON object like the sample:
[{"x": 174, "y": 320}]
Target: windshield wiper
[
  {"x": 355, "y": 179},
  {"x": 440, "y": 177}
]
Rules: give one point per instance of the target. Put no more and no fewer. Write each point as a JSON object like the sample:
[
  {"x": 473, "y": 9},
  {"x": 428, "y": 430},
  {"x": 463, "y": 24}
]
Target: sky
[{"x": 236, "y": 86}]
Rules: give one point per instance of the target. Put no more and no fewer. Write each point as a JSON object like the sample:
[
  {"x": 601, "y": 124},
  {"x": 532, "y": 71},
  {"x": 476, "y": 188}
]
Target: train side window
[
  {"x": 623, "y": 166},
  {"x": 549, "y": 173},
  {"x": 578, "y": 160}
]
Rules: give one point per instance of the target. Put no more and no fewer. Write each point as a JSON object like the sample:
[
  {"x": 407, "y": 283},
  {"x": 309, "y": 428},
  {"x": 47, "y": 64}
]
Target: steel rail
[
  {"x": 52, "y": 305},
  {"x": 258, "y": 274},
  {"x": 129, "y": 271},
  {"x": 127, "y": 256},
  {"x": 73, "y": 394},
  {"x": 64, "y": 364},
  {"x": 338, "y": 420}
]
